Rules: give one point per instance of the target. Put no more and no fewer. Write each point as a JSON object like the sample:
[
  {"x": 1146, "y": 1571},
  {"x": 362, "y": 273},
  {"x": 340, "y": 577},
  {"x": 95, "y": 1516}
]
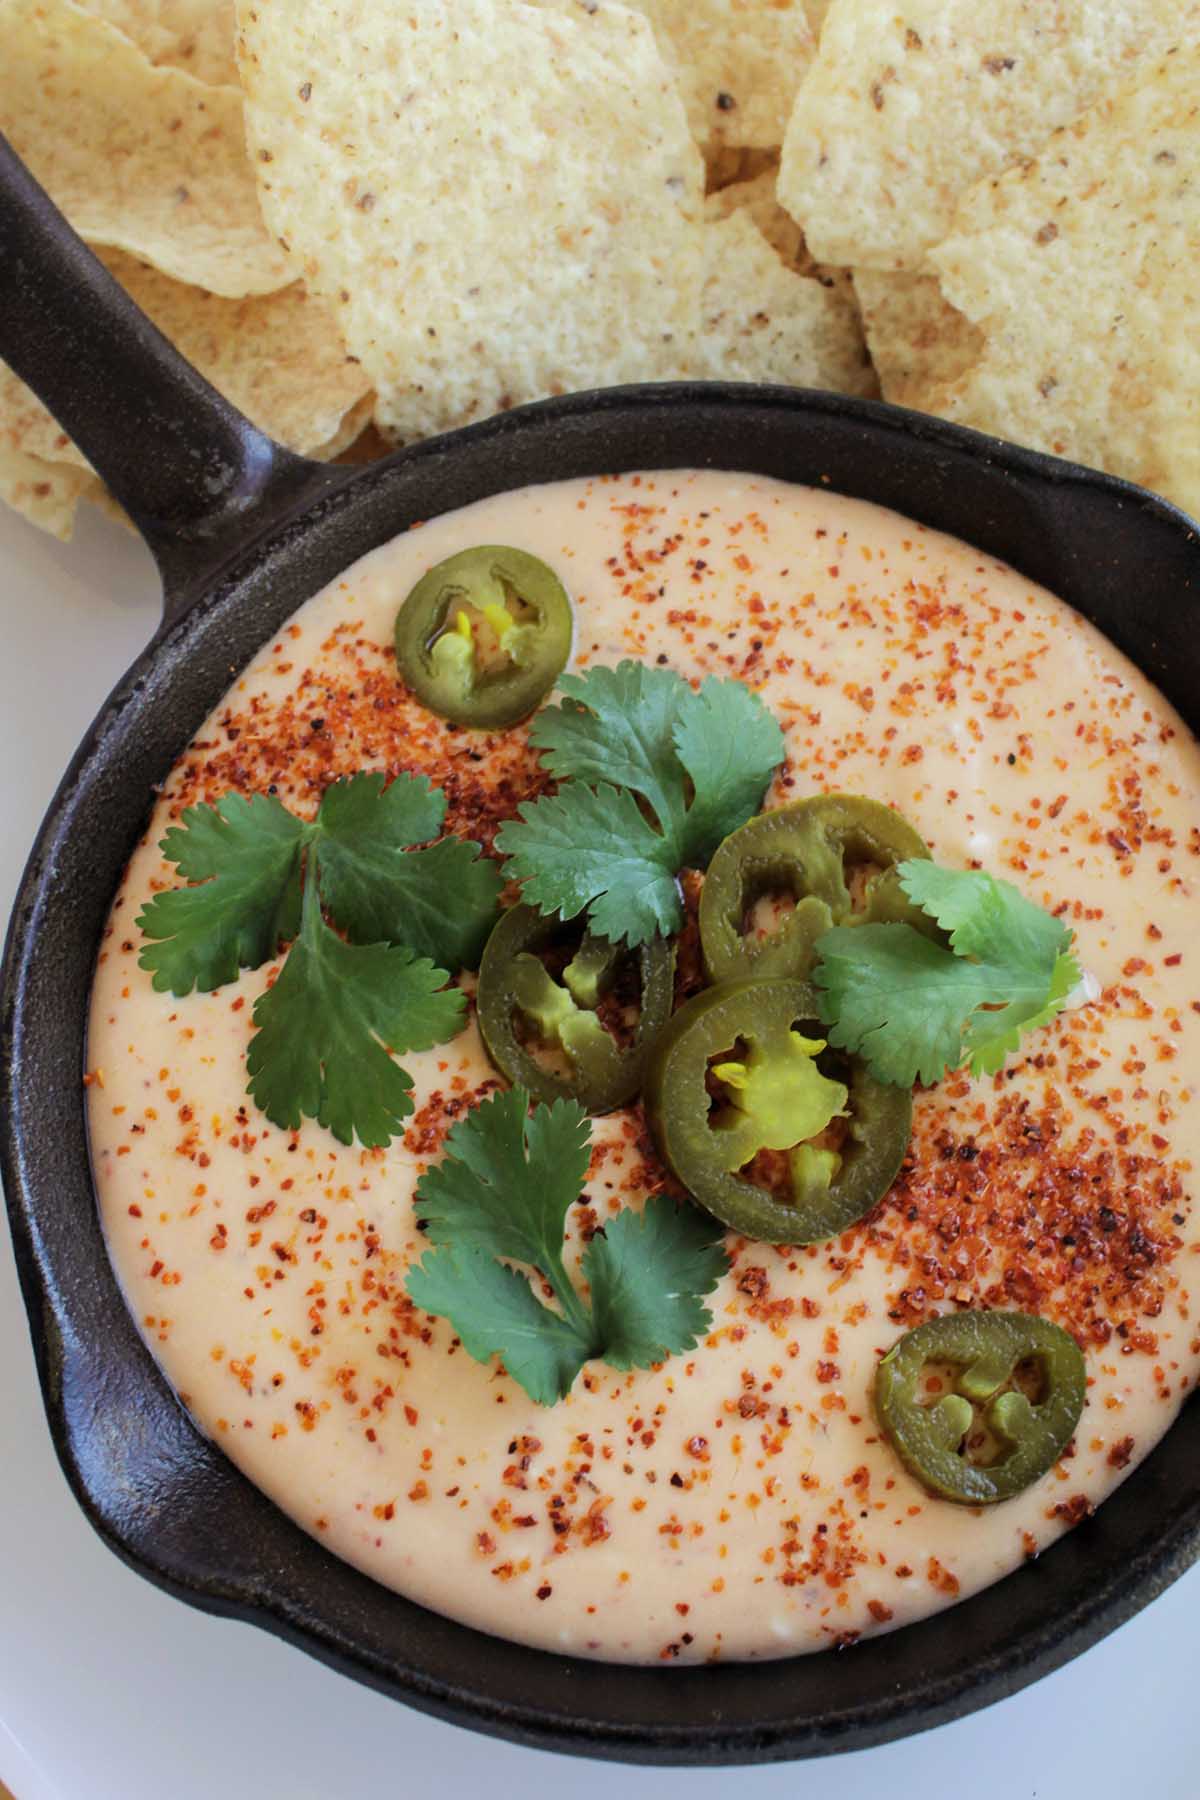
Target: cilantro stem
[
  {"x": 500, "y": 1197},
  {"x": 575, "y": 1312},
  {"x": 310, "y": 906}
]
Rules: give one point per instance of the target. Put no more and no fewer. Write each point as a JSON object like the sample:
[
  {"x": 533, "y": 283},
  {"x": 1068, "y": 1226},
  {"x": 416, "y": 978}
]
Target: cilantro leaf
[
  {"x": 338, "y": 1009},
  {"x": 914, "y": 1008},
  {"x": 731, "y": 746},
  {"x": 993, "y": 1036},
  {"x": 221, "y": 840},
  {"x": 247, "y": 855},
  {"x": 329, "y": 1022},
  {"x": 654, "y": 775},
  {"x": 592, "y": 848},
  {"x": 496, "y": 1152},
  {"x": 503, "y": 1190},
  {"x": 617, "y": 726},
  {"x": 647, "y": 1272},
  {"x": 985, "y": 917},
  {"x": 496, "y": 1313},
  {"x": 897, "y": 999},
  {"x": 441, "y": 902}
]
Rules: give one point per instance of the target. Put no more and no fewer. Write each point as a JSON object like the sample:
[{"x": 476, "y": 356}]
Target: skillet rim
[{"x": 666, "y": 1741}]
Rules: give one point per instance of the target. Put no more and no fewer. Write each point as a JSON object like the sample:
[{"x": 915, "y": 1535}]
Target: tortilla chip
[
  {"x": 764, "y": 322},
  {"x": 725, "y": 164},
  {"x": 479, "y": 255},
  {"x": 27, "y": 429},
  {"x": 277, "y": 357},
  {"x": 97, "y": 495},
  {"x": 142, "y": 159},
  {"x": 197, "y": 36},
  {"x": 905, "y": 108},
  {"x": 756, "y": 198},
  {"x": 356, "y": 429},
  {"x": 740, "y": 63},
  {"x": 45, "y": 493},
  {"x": 1081, "y": 270},
  {"x": 138, "y": 20},
  {"x": 367, "y": 445},
  {"x": 722, "y": 165},
  {"x": 917, "y": 340}
]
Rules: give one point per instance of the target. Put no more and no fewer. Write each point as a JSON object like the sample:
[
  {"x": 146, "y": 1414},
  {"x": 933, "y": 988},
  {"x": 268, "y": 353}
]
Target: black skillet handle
[{"x": 197, "y": 478}]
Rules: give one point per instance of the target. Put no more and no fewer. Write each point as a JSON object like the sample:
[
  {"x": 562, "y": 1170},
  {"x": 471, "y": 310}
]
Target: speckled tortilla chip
[
  {"x": 479, "y": 255},
  {"x": 277, "y": 357},
  {"x": 194, "y": 35},
  {"x": 762, "y": 321},
  {"x": 905, "y": 107},
  {"x": 45, "y": 493},
  {"x": 138, "y": 19},
  {"x": 356, "y": 429},
  {"x": 367, "y": 445},
  {"x": 756, "y": 198},
  {"x": 740, "y": 63},
  {"x": 917, "y": 340},
  {"x": 725, "y": 164},
  {"x": 143, "y": 159},
  {"x": 27, "y": 429},
  {"x": 1081, "y": 270}
]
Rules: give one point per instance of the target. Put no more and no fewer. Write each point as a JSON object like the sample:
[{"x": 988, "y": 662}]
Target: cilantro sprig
[
  {"x": 913, "y": 1008},
  {"x": 441, "y": 901},
  {"x": 246, "y": 855},
  {"x": 327, "y": 1027},
  {"x": 500, "y": 1196},
  {"x": 654, "y": 774},
  {"x": 341, "y": 1005}
]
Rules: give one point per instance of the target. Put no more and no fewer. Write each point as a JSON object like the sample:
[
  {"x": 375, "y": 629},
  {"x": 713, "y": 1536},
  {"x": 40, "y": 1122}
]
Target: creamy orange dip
[{"x": 739, "y": 1501}]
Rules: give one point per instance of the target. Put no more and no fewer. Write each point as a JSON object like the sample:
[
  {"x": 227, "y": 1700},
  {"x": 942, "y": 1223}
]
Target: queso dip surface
[{"x": 738, "y": 1501}]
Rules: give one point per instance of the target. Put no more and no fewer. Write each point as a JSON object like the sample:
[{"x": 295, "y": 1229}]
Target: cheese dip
[{"x": 738, "y": 1501}]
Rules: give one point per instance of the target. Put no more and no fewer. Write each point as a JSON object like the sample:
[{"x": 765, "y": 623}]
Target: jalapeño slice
[
  {"x": 808, "y": 852},
  {"x": 483, "y": 636},
  {"x": 523, "y": 1006},
  {"x": 742, "y": 1070},
  {"x": 1005, "y": 1396}
]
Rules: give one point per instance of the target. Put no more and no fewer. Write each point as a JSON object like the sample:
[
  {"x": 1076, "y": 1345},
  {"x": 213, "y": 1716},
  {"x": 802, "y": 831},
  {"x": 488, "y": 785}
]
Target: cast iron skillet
[{"x": 243, "y": 532}]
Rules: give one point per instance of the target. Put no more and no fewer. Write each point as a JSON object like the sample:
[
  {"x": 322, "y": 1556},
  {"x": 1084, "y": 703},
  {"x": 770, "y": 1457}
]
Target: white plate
[{"x": 109, "y": 1690}]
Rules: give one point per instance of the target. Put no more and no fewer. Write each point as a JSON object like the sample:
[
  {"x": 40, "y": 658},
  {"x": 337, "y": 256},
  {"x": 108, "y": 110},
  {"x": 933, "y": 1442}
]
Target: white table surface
[{"x": 109, "y": 1690}]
